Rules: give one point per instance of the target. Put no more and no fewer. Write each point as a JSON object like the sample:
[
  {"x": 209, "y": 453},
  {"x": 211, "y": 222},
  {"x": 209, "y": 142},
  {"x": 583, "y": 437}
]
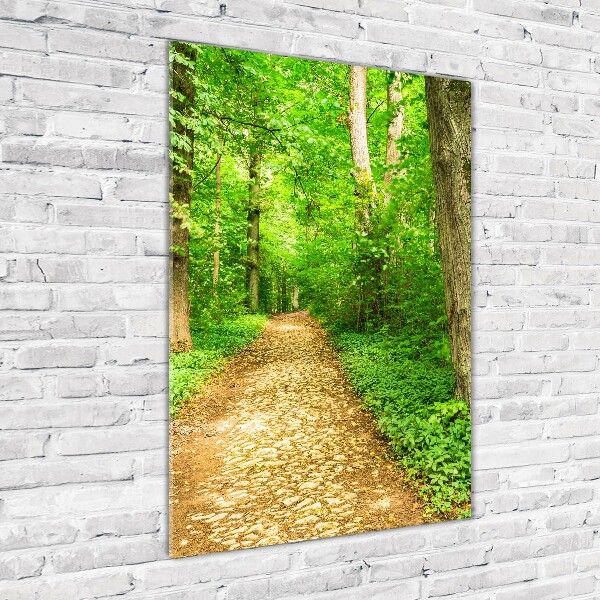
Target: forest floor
[{"x": 277, "y": 449}]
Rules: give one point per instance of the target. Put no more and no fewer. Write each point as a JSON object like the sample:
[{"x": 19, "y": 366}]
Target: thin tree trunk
[
  {"x": 392, "y": 156},
  {"x": 284, "y": 299},
  {"x": 180, "y": 339},
  {"x": 253, "y": 235},
  {"x": 394, "y": 131},
  {"x": 449, "y": 116},
  {"x": 216, "y": 257}
]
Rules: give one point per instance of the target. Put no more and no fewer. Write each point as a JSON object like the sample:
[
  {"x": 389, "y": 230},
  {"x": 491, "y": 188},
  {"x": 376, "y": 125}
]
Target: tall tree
[
  {"x": 449, "y": 116},
  {"x": 394, "y": 130},
  {"x": 183, "y": 94},
  {"x": 365, "y": 190},
  {"x": 253, "y": 235},
  {"x": 216, "y": 255}
]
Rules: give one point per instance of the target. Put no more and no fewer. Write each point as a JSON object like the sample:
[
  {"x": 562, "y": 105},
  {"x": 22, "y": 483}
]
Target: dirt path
[{"x": 277, "y": 449}]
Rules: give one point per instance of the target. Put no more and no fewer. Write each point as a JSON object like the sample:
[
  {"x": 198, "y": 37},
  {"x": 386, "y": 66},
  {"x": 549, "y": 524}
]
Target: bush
[
  {"x": 408, "y": 387},
  {"x": 213, "y": 344}
]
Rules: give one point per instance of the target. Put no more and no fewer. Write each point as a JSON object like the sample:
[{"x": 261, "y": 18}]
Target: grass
[
  {"x": 214, "y": 343},
  {"x": 408, "y": 386}
]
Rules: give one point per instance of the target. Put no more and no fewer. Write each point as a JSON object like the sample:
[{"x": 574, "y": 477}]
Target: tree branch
[{"x": 197, "y": 183}]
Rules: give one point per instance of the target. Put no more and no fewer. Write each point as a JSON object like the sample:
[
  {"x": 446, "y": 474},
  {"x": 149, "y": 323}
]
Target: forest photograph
[{"x": 319, "y": 299}]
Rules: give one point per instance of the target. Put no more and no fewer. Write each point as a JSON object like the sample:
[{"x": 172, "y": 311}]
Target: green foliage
[
  {"x": 213, "y": 344},
  {"x": 379, "y": 289},
  {"x": 409, "y": 389}
]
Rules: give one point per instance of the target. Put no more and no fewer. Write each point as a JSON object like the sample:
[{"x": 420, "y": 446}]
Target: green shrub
[
  {"x": 213, "y": 344},
  {"x": 407, "y": 384}
]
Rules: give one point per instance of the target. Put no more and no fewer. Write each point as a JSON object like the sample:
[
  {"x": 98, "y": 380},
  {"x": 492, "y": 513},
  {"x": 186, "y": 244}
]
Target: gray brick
[
  {"x": 86, "y": 557},
  {"x": 588, "y": 561},
  {"x": 136, "y": 383},
  {"x": 82, "y": 98},
  {"x": 551, "y": 590},
  {"x": 23, "y": 445},
  {"x": 141, "y": 189},
  {"x": 76, "y": 326},
  {"x": 23, "y": 209},
  {"x": 535, "y": 342},
  {"x": 55, "y": 356},
  {"x": 514, "y": 74},
  {"x": 19, "y": 37},
  {"x": 148, "y": 324},
  {"x": 95, "y": 585},
  {"x": 105, "y": 45},
  {"x": 116, "y": 525},
  {"x": 54, "y": 414},
  {"x": 31, "y": 241},
  {"x": 17, "y": 535},
  {"x": 112, "y": 216},
  {"x": 25, "y": 297},
  {"x": 107, "y": 127},
  {"x": 21, "y": 566},
  {"x": 95, "y": 17},
  {"x": 155, "y": 408},
  {"x": 110, "y": 243},
  {"x": 26, "y": 10},
  {"x": 136, "y": 352},
  {"x": 154, "y": 244},
  {"x": 49, "y": 184},
  {"x": 397, "y": 568},
  {"x": 488, "y": 578},
  {"x": 587, "y": 449},
  {"x": 115, "y": 297},
  {"x": 523, "y": 10},
  {"x": 17, "y": 475},
  {"x": 117, "y": 439},
  {"x": 81, "y": 501},
  {"x": 20, "y": 121},
  {"x": 15, "y": 387},
  {"x": 520, "y": 455},
  {"x": 76, "y": 385},
  {"x": 62, "y": 68}
]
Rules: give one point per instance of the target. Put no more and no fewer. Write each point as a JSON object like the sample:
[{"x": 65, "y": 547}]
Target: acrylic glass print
[{"x": 319, "y": 299}]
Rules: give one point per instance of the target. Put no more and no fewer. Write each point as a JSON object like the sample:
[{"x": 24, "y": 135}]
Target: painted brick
[
  {"x": 17, "y": 475},
  {"x": 55, "y": 356},
  {"x": 15, "y": 387},
  {"x": 83, "y": 188},
  {"x": 61, "y": 68},
  {"x": 25, "y": 298},
  {"x": 83, "y": 98},
  {"x": 54, "y": 414},
  {"x": 23, "y": 445},
  {"x": 105, "y": 45},
  {"x": 118, "y": 439}
]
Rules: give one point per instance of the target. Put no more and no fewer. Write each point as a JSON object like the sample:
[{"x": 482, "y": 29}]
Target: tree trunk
[
  {"x": 180, "y": 338},
  {"x": 253, "y": 235},
  {"x": 449, "y": 116},
  {"x": 366, "y": 196},
  {"x": 357, "y": 121},
  {"x": 295, "y": 298},
  {"x": 284, "y": 299},
  {"x": 216, "y": 257},
  {"x": 394, "y": 131}
]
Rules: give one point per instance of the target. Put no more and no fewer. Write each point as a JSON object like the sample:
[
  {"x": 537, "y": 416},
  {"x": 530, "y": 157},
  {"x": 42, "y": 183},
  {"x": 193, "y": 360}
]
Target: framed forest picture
[{"x": 320, "y": 299}]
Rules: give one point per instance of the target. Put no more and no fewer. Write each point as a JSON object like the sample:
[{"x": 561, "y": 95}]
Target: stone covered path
[{"x": 277, "y": 449}]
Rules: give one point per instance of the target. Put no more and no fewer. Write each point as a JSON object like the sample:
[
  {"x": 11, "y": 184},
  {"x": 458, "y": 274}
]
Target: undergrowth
[
  {"x": 213, "y": 344},
  {"x": 407, "y": 384}
]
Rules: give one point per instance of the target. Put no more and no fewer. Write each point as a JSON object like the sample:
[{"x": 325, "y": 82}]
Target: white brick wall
[{"x": 83, "y": 187}]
